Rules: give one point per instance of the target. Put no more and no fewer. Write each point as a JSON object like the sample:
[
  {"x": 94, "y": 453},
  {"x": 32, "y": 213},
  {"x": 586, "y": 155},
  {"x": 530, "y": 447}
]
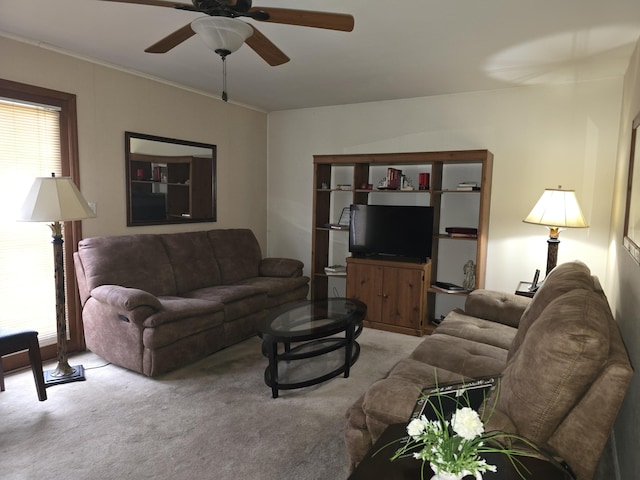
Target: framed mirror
[
  {"x": 169, "y": 181},
  {"x": 632, "y": 214}
]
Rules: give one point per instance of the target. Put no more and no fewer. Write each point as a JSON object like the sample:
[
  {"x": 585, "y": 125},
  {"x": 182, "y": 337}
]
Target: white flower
[
  {"x": 415, "y": 427},
  {"x": 466, "y": 423}
]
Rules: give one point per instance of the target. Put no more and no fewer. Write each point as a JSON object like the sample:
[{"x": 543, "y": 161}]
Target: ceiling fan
[{"x": 233, "y": 9}]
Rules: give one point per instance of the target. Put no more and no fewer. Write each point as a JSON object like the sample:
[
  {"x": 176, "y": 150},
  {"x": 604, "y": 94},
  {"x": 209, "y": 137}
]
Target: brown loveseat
[
  {"x": 154, "y": 303},
  {"x": 563, "y": 364}
]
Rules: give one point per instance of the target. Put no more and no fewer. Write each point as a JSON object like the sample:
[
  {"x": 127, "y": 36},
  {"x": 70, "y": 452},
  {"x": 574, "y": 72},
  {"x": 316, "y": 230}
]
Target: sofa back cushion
[
  {"x": 237, "y": 252},
  {"x": 562, "y": 279},
  {"x": 134, "y": 261},
  {"x": 192, "y": 259},
  {"x": 564, "y": 351}
]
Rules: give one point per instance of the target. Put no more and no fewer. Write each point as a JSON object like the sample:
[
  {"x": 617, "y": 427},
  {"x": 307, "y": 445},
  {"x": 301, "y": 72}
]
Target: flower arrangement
[{"x": 452, "y": 447}]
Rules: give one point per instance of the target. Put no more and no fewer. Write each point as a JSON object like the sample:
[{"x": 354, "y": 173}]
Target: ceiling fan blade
[
  {"x": 157, "y": 3},
  {"x": 307, "y": 18},
  {"x": 172, "y": 40},
  {"x": 266, "y": 48}
]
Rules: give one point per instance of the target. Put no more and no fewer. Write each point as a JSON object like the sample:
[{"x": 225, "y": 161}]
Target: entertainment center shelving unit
[{"x": 399, "y": 295}]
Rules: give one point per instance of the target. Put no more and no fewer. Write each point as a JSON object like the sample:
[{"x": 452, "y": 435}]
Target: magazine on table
[
  {"x": 452, "y": 395},
  {"x": 448, "y": 397}
]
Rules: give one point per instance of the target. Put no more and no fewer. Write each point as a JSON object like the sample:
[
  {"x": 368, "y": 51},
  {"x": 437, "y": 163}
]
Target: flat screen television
[{"x": 391, "y": 230}]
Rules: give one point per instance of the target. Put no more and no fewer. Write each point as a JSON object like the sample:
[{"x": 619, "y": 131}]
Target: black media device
[{"x": 391, "y": 230}]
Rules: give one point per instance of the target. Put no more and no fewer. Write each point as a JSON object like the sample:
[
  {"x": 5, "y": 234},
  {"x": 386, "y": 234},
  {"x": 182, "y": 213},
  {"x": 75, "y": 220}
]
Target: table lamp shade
[
  {"x": 54, "y": 199},
  {"x": 557, "y": 208}
]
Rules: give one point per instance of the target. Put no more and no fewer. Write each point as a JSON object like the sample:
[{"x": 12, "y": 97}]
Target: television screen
[{"x": 403, "y": 231}]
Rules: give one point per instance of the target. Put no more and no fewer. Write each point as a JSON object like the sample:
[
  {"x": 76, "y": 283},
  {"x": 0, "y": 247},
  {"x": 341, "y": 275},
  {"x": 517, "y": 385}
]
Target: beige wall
[
  {"x": 540, "y": 136},
  {"x": 624, "y": 281},
  {"x": 110, "y": 102}
]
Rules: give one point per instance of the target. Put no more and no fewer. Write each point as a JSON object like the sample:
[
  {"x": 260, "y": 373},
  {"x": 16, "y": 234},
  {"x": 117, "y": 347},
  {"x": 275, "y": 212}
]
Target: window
[{"x": 37, "y": 137}]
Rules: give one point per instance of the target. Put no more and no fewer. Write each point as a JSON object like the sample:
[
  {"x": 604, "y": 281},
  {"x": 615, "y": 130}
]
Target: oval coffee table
[{"x": 310, "y": 342}]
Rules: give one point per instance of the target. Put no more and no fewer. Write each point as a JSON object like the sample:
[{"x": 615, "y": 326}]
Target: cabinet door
[
  {"x": 364, "y": 283},
  {"x": 402, "y": 295}
]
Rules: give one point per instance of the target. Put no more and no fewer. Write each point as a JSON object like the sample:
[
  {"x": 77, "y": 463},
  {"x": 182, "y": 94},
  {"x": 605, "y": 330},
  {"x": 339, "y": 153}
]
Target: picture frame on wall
[{"x": 631, "y": 238}]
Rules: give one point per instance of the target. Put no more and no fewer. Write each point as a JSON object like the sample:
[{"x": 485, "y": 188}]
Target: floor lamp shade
[
  {"x": 54, "y": 200},
  {"x": 556, "y": 209}
]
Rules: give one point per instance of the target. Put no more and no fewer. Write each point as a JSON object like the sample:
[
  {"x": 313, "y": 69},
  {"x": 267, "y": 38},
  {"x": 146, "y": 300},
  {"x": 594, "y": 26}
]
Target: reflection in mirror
[
  {"x": 169, "y": 180},
  {"x": 632, "y": 215}
]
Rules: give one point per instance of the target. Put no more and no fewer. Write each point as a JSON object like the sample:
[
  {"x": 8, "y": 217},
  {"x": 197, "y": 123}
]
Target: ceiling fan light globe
[{"x": 222, "y": 33}]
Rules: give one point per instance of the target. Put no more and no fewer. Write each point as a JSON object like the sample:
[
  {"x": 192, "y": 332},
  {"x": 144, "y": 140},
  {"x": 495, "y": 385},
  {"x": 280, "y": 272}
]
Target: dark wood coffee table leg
[
  {"x": 348, "y": 349},
  {"x": 272, "y": 352}
]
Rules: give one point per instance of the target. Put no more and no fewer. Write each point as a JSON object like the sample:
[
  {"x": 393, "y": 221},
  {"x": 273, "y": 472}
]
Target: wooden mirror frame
[
  {"x": 631, "y": 239},
  {"x": 169, "y": 181}
]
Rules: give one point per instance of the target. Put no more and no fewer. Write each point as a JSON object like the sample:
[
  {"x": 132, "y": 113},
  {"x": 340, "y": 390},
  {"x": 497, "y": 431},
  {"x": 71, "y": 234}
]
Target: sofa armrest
[
  {"x": 125, "y": 299},
  {"x": 280, "y": 267},
  {"x": 501, "y": 307}
]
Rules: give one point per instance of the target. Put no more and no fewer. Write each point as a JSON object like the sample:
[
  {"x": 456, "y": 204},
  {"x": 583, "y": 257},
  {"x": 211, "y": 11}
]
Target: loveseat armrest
[
  {"x": 501, "y": 307},
  {"x": 125, "y": 300},
  {"x": 280, "y": 267}
]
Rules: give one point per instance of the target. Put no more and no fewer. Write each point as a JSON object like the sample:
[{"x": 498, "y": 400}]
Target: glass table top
[{"x": 313, "y": 319}]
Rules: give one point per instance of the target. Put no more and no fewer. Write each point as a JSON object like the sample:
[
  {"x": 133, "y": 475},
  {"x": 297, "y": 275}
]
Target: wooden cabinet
[
  {"x": 395, "y": 293},
  {"x": 341, "y": 180},
  {"x": 170, "y": 187}
]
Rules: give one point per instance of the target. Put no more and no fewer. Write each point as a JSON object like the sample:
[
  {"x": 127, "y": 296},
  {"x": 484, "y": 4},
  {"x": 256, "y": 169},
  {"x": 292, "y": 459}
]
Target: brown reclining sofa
[
  {"x": 563, "y": 365},
  {"x": 155, "y": 302}
]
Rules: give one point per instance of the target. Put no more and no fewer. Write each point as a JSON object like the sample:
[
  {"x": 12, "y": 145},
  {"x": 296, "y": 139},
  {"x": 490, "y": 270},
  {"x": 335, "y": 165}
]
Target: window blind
[{"x": 29, "y": 148}]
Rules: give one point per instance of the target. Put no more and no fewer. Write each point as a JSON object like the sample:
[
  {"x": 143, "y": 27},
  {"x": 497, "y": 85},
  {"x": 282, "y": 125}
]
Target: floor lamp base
[{"x": 54, "y": 377}]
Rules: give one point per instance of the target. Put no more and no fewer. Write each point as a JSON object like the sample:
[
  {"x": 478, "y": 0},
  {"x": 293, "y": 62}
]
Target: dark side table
[{"x": 379, "y": 467}]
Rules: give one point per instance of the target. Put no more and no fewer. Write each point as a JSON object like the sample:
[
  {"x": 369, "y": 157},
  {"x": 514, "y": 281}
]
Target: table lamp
[
  {"x": 56, "y": 200},
  {"x": 556, "y": 209}
]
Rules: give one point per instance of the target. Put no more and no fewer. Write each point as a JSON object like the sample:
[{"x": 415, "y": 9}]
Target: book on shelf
[
  {"x": 423, "y": 180},
  {"x": 335, "y": 226},
  {"x": 449, "y": 287},
  {"x": 462, "y": 232},
  {"x": 335, "y": 270},
  {"x": 393, "y": 178},
  {"x": 467, "y": 186}
]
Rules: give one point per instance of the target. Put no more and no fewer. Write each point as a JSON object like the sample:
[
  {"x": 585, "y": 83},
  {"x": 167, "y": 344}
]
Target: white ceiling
[{"x": 398, "y": 49}]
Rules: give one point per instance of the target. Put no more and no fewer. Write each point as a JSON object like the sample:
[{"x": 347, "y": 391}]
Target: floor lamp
[
  {"x": 56, "y": 200},
  {"x": 556, "y": 209}
]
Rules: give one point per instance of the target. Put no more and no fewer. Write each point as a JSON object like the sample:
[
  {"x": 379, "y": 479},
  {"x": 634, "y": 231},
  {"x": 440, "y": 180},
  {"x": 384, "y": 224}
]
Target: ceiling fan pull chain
[{"x": 224, "y": 77}]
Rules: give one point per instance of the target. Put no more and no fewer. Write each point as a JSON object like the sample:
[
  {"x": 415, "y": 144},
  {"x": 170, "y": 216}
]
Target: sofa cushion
[
  {"x": 470, "y": 359},
  {"x": 171, "y": 332},
  {"x": 179, "y": 308},
  {"x": 134, "y": 261},
  {"x": 498, "y": 307},
  {"x": 274, "y": 286},
  {"x": 562, "y": 354},
  {"x": 392, "y": 399},
  {"x": 238, "y": 300},
  {"x": 280, "y": 267},
  {"x": 458, "y": 324},
  {"x": 192, "y": 259},
  {"x": 237, "y": 252},
  {"x": 562, "y": 279}
]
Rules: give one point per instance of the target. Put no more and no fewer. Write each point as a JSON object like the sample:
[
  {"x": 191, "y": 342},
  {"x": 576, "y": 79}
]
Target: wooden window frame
[{"x": 72, "y": 230}]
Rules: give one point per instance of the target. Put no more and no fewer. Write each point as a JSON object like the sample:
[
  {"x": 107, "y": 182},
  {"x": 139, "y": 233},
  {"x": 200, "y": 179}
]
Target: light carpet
[{"x": 212, "y": 420}]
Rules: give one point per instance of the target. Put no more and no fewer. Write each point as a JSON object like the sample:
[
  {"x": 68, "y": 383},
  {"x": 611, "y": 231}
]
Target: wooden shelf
[{"x": 363, "y": 170}]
